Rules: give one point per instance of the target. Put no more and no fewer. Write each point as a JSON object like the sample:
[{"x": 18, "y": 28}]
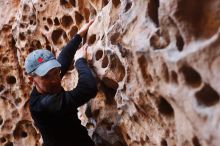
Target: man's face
[{"x": 50, "y": 83}]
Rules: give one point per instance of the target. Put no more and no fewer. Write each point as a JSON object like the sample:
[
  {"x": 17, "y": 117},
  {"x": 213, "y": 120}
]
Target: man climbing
[{"x": 53, "y": 109}]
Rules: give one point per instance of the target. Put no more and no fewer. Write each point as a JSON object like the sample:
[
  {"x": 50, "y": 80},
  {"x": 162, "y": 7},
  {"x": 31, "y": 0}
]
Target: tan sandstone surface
[{"x": 157, "y": 64}]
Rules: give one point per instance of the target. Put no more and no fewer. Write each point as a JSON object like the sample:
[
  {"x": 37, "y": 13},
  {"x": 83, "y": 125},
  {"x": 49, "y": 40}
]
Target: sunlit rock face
[{"x": 157, "y": 65}]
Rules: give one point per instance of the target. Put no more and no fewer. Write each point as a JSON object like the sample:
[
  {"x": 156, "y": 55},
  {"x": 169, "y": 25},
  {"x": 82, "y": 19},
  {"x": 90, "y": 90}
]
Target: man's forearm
[
  {"x": 86, "y": 78},
  {"x": 66, "y": 55}
]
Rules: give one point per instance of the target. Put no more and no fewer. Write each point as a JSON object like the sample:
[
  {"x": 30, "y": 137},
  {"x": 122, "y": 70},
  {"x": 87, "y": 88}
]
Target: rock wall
[{"x": 156, "y": 62}]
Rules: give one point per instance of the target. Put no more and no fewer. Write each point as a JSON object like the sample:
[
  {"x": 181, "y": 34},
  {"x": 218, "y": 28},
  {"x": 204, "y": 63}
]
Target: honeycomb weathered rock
[{"x": 156, "y": 62}]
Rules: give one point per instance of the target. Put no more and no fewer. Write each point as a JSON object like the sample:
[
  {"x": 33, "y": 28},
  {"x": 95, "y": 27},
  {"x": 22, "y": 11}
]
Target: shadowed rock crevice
[
  {"x": 128, "y": 6},
  {"x": 153, "y": 6},
  {"x": 73, "y": 31},
  {"x": 105, "y": 61},
  {"x": 207, "y": 96},
  {"x": 91, "y": 39},
  {"x": 56, "y": 36},
  {"x": 196, "y": 141},
  {"x": 191, "y": 76},
  {"x": 99, "y": 54},
  {"x": 109, "y": 87},
  {"x": 11, "y": 79},
  {"x": 165, "y": 108},
  {"x": 116, "y": 3},
  {"x": 78, "y": 18},
  {"x": 66, "y": 21},
  {"x": 143, "y": 67},
  {"x": 180, "y": 43}
]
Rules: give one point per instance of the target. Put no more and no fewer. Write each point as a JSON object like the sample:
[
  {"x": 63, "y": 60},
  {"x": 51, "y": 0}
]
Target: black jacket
[{"x": 56, "y": 114}]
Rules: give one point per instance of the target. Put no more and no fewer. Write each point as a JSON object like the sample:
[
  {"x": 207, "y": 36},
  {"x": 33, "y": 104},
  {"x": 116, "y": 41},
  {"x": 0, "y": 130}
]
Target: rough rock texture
[{"x": 156, "y": 61}]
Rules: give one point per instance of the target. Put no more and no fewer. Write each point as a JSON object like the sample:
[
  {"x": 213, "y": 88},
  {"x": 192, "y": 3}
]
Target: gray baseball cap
[{"x": 40, "y": 62}]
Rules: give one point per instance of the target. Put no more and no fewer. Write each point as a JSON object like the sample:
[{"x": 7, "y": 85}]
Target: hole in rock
[
  {"x": 24, "y": 17},
  {"x": 56, "y": 21},
  {"x": 63, "y": 2},
  {"x": 46, "y": 28},
  {"x": 128, "y": 137},
  {"x": 2, "y": 140},
  {"x": 163, "y": 142},
  {"x": 73, "y": 2},
  {"x": 78, "y": 17},
  {"x": 30, "y": 49},
  {"x": 191, "y": 76},
  {"x": 96, "y": 113},
  {"x": 6, "y": 28},
  {"x": 159, "y": 41},
  {"x": 5, "y": 59},
  {"x": 26, "y": 8},
  {"x": 48, "y": 47},
  {"x": 92, "y": 39},
  {"x": 86, "y": 14},
  {"x": 128, "y": 6},
  {"x": 56, "y": 35},
  {"x": 105, "y": 62},
  {"x": 114, "y": 38},
  {"x": 109, "y": 88},
  {"x": 10, "y": 79},
  {"x": 88, "y": 111},
  {"x": 21, "y": 129},
  {"x": 180, "y": 43},
  {"x": 80, "y": 4},
  {"x": 2, "y": 87},
  {"x": 22, "y": 36},
  {"x": 18, "y": 101},
  {"x": 22, "y": 25},
  {"x": 117, "y": 67},
  {"x": 124, "y": 52},
  {"x": 36, "y": 44},
  {"x": 207, "y": 96},
  {"x": 65, "y": 37},
  {"x": 24, "y": 134},
  {"x": 1, "y": 120},
  {"x": 98, "y": 55},
  {"x": 49, "y": 21},
  {"x": 153, "y": 11},
  {"x": 165, "y": 72},
  {"x": 143, "y": 66},
  {"x": 196, "y": 141},
  {"x": 165, "y": 108},
  {"x": 7, "y": 125},
  {"x": 73, "y": 31},
  {"x": 174, "y": 77},
  {"x": 9, "y": 144},
  {"x": 15, "y": 114},
  {"x": 104, "y": 3},
  {"x": 32, "y": 19},
  {"x": 89, "y": 125},
  {"x": 66, "y": 21},
  {"x": 116, "y": 2},
  {"x": 197, "y": 15}
]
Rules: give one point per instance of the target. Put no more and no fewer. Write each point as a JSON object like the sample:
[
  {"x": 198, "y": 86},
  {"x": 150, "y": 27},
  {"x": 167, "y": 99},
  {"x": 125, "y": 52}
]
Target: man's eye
[{"x": 45, "y": 77}]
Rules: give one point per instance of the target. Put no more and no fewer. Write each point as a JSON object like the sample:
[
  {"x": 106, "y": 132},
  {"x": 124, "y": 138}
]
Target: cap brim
[{"x": 45, "y": 67}]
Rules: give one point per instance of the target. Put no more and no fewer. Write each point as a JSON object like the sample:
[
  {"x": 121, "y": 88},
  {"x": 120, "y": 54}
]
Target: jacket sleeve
[
  {"x": 65, "y": 57},
  {"x": 67, "y": 100}
]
